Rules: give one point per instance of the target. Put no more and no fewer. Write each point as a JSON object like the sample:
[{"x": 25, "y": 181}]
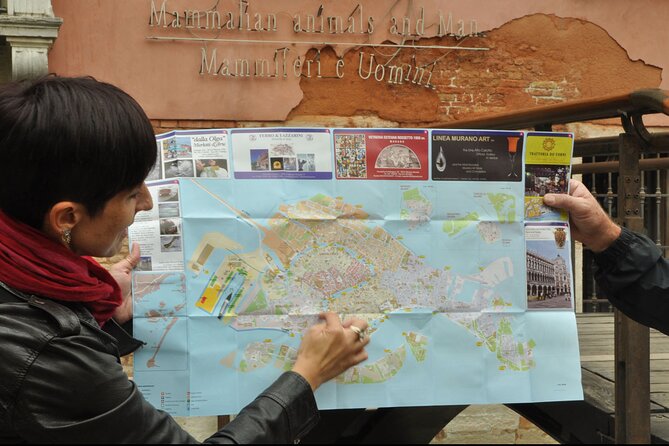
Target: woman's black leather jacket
[{"x": 61, "y": 381}]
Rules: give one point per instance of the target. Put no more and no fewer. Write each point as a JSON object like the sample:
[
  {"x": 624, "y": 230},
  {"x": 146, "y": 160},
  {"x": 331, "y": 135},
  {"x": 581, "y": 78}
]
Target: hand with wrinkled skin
[
  {"x": 589, "y": 223},
  {"x": 329, "y": 348},
  {"x": 122, "y": 273}
]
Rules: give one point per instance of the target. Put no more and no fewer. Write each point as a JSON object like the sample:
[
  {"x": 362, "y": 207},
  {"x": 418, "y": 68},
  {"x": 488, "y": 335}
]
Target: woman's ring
[{"x": 361, "y": 333}]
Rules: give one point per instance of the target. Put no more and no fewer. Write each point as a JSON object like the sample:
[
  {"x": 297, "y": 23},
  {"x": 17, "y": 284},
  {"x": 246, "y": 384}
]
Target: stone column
[{"x": 29, "y": 28}]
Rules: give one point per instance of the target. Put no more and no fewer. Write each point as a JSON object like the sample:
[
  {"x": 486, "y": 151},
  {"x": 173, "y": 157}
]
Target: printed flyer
[
  {"x": 192, "y": 153},
  {"x": 550, "y": 283}
]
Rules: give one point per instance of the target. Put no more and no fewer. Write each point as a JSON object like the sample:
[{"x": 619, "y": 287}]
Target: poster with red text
[{"x": 381, "y": 154}]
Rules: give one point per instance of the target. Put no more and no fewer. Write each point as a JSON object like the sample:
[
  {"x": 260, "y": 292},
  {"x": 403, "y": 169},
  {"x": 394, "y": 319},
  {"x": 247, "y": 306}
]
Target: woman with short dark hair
[{"x": 76, "y": 152}]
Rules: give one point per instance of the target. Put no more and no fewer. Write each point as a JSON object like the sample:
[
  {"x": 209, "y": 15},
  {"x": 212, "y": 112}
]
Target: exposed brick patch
[
  {"x": 551, "y": 91},
  {"x": 534, "y": 60},
  {"x": 169, "y": 124}
]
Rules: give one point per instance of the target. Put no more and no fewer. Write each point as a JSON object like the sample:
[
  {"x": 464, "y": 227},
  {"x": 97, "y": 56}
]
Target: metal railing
[
  {"x": 601, "y": 178},
  {"x": 653, "y": 202},
  {"x": 625, "y": 189}
]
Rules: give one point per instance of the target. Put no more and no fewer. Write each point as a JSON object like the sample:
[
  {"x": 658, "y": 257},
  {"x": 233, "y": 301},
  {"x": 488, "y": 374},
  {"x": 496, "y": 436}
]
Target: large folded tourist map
[{"x": 439, "y": 239}]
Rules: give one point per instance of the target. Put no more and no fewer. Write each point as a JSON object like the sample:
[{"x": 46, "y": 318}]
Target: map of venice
[{"x": 440, "y": 281}]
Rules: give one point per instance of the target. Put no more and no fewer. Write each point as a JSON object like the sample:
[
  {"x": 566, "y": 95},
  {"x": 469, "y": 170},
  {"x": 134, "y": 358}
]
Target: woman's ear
[{"x": 60, "y": 220}]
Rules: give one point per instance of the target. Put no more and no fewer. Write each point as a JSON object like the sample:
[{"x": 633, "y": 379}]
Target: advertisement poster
[
  {"x": 547, "y": 170},
  {"x": 549, "y": 279},
  {"x": 159, "y": 230},
  {"x": 386, "y": 154},
  {"x": 282, "y": 153},
  {"x": 191, "y": 154},
  {"x": 477, "y": 155}
]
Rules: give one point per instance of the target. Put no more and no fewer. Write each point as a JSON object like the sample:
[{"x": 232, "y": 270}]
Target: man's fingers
[
  {"x": 579, "y": 190},
  {"x": 578, "y": 200},
  {"x": 331, "y": 319},
  {"x": 560, "y": 201}
]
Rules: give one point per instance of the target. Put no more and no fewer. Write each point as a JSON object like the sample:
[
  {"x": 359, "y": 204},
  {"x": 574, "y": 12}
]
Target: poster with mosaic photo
[{"x": 381, "y": 154}]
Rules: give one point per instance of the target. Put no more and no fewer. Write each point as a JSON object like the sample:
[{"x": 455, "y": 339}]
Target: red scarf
[{"x": 33, "y": 263}]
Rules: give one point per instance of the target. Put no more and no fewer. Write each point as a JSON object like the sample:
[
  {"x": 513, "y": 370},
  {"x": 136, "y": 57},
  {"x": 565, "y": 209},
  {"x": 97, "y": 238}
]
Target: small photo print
[
  {"x": 549, "y": 284},
  {"x": 179, "y": 169},
  {"x": 259, "y": 159},
  {"x": 168, "y": 193},
  {"x": 169, "y": 147},
  {"x": 169, "y": 226},
  {"x": 351, "y": 163},
  {"x": 351, "y": 156},
  {"x": 170, "y": 243},
  {"x": 541, "y": 180},
  {"x": 397, "y": 156},
  {"x": 306, "y": 162},
  {"x": 177, "y": 147},
  {"x": 356, "y": 141},
  {"x": 276, "y": 163},
  {"x": 290, "y": 163},
  {"x": 211, "y": 168},
  {"x": 166, "y": 210},
  {"x": 560, "y": 236},
  {"x": 282, "y": 150},
  {"x": 184, "y": 148},
  {"x": 144, "y": 264}
]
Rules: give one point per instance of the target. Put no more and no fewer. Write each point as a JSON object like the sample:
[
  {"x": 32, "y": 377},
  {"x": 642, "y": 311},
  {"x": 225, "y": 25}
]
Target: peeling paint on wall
[{"x": 529, "y": 42}]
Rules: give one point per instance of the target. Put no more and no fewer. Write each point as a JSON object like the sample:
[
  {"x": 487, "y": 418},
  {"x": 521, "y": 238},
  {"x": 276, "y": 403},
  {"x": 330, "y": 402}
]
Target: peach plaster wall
[{"x": 539, "y": 52}]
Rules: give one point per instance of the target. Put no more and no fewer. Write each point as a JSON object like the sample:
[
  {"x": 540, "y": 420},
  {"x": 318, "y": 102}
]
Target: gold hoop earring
[{"x": 67, "y": 237}]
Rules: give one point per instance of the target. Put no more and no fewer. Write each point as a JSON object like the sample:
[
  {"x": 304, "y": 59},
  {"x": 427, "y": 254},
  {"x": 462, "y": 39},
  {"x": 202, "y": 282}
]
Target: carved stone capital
[{"x": 29, "y": 29}]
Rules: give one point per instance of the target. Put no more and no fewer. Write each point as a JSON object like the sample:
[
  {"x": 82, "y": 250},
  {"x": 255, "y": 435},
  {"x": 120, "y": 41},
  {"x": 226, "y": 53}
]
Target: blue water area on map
[
  {"x": 159, "y": 292},
  {"x": 166, "y": 346},
  {"x": 455, "y": 369}
]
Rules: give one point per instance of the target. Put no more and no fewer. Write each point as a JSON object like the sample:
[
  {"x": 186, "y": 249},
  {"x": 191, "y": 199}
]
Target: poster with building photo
[
  {"x": 281, "y": 153},
  {"x": 381, "y": 154},
  {"x": 549, "y": 278},
  {"x": 159, "y": 231},
  {"x": 192, "y": 154}
]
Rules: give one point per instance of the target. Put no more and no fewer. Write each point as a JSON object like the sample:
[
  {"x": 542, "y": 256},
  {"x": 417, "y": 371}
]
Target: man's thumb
[{"x": 556, "y": 201}]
